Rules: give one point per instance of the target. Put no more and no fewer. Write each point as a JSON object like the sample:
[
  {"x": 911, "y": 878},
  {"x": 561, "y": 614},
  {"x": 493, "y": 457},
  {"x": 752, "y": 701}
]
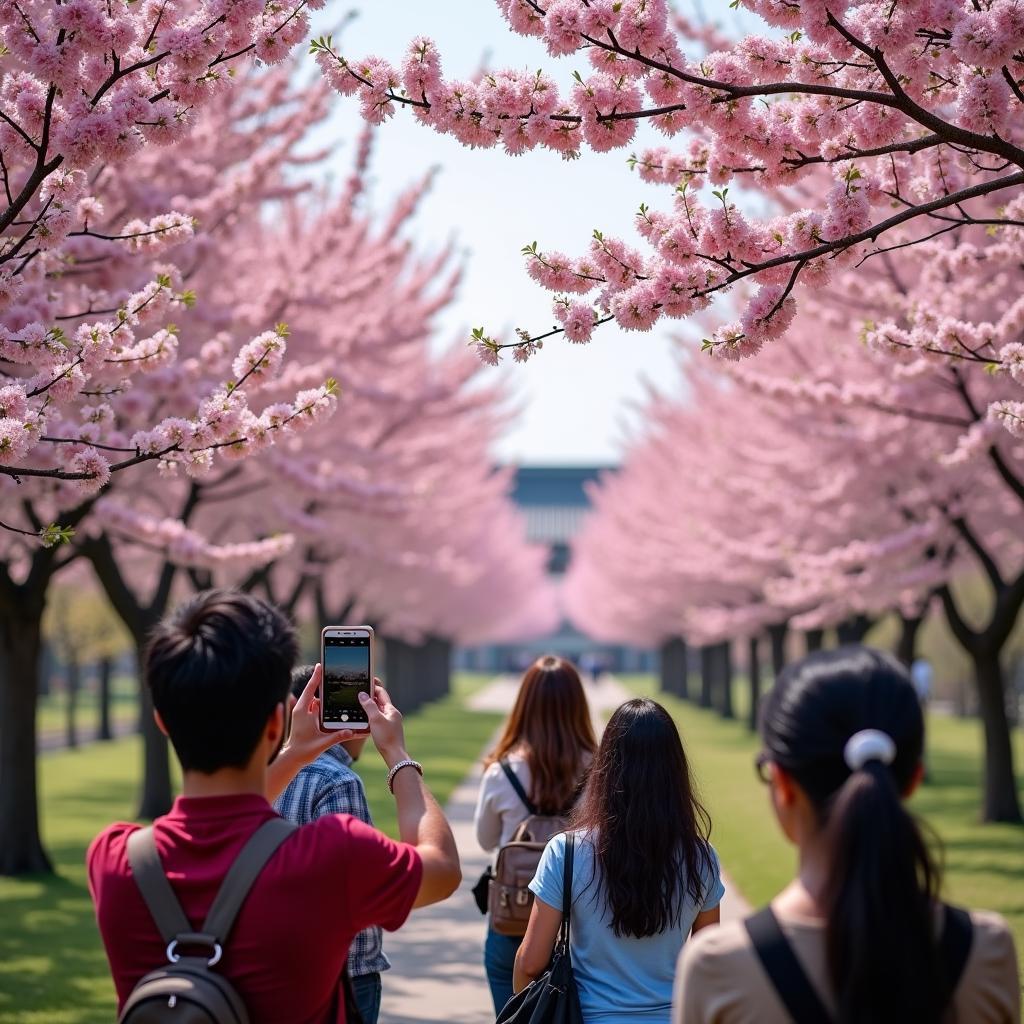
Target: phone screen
[{"x": 346, "y": 672}]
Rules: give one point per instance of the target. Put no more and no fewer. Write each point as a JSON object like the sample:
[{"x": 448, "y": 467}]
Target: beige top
[
  {"x": 720, "y": 979},
  {"x": 499, "y": 811}
]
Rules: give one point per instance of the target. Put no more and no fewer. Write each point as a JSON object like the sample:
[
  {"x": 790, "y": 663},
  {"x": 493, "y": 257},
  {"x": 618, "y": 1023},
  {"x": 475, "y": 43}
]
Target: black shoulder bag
[
  {"x": 552, "y": 998},
  {"x": 795, "y": 989}
]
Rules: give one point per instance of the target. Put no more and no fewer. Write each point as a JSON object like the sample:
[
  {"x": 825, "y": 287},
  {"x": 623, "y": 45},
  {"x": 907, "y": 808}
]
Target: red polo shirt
[{"x": 325, "y": 883}]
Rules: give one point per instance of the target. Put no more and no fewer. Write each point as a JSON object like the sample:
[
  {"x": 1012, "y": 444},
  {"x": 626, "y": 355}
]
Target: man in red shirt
[{"x": 218, "y": 670}]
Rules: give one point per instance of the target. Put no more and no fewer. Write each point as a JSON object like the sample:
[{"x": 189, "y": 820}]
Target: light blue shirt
[{"x": 620, "y": 978}]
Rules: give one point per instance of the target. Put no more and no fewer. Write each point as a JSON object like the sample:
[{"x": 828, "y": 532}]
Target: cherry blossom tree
[
  {"x": 82, "y": 402},
  {"x": 828, "y": 481},
  {"x": 911, "y": 110},
  {"x": 390, "y": 512}
]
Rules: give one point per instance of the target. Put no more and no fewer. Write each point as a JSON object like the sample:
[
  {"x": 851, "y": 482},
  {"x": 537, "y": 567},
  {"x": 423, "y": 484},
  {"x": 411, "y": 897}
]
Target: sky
[{"x": 575, "y": 404}]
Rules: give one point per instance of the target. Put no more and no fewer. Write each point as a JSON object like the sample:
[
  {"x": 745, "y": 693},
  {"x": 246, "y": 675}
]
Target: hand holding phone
[
  {"x": 386, "y": 726},
  {"x": 306, "y": 739},
  {"x": 347, "y": 657}
]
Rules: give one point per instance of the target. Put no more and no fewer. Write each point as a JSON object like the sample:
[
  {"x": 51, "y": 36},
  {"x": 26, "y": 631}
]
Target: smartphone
[{"x": 346, "y": 654}]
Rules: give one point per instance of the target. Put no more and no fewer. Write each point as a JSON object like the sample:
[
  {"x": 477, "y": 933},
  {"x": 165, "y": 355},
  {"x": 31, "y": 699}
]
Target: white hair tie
[{"x": 868, "y": 745}]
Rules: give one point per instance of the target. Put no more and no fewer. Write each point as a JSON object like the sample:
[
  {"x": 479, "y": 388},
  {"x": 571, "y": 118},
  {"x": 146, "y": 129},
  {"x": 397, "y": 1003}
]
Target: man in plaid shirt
[{"x": 329, "y": 786}]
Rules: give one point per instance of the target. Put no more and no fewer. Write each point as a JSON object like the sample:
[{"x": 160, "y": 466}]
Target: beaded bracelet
[{"x": 407, "y": 763}]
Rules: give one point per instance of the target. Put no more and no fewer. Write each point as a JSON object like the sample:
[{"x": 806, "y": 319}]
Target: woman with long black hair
[
  {"x": 644, "y": 874},
  {"x": 859, "y": 936}
]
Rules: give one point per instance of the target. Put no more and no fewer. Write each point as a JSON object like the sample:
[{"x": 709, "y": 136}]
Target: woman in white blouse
[{"x": 547, "y": 743}]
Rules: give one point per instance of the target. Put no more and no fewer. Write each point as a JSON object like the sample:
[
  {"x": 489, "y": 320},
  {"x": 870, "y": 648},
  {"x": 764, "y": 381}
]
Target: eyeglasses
[{"x": 761, "y": 767}]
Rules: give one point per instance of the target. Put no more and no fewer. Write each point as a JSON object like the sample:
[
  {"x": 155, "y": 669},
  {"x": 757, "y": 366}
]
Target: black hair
[
  {"x": 217, "y": 667},
  {"x": 300, "y": 677},
  {"x": 649, "y": 830},
  {"x": 881, "y": 894}
]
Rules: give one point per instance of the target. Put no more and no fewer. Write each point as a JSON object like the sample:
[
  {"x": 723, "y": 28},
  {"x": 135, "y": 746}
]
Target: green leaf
[{"x": 55, "y": 534}]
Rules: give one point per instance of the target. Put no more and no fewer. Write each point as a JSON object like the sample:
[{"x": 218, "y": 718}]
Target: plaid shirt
[{"x": 330, "y": 786}]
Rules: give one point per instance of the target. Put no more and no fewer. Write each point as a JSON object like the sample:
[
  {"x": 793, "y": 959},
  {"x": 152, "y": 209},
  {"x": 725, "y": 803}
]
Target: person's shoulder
[
  {"x": 107, "y": 854},
  {"x": 989, "y": 924},
  {"x": 494, "y": 774},
  {"x": 328, "y": 769},
  {"x": 993, "y": 937},
  {"x": 990, "y": 987},
  {"x": 111, "y": 841},
  {"x": 722, "y": 940},
  {"x": 713, "y": 968}
]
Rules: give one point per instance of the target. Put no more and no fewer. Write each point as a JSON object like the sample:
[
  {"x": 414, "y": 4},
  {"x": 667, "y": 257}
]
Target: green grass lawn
[
  {"x": 52, "y": 966},
  {"x": 984, "y": 863},
  {"x": 51, "y": 715}
]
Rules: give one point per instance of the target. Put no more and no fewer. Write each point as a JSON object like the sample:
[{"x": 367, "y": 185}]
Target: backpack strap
[
  {"x": 170, "y": 919},
  {"x": 784, "y": 970},
  {"x": 149, "y": 876},
  {"x": 241, "y": 875},
  {"x": 570, "y": 851},
  {"x": 514, "y": 782},
  {"x": 955, "y": 947}
]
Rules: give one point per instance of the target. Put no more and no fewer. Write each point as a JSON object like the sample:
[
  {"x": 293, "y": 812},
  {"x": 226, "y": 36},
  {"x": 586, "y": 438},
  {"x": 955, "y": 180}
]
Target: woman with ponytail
[{"x": 860, "y": 936}]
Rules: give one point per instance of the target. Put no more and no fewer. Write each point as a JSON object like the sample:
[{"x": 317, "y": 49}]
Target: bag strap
[
  {"x": 241, "y": 875},
  {"x": 784, "y": 970},
  {"x": 570, "y": 851},
  {"x": 156, "y": 891},
  {"x": 517, "y": 786},
  {"x": 163, "y": 905},
  {"x": 955, "y": 947}
]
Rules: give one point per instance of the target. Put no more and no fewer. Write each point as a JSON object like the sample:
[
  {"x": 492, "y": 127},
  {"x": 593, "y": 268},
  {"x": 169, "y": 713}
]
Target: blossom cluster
[
  {"x": 915, "y": 108},
  {"x": 184, "y": 546},
  {"x": 90, "y": 93}
]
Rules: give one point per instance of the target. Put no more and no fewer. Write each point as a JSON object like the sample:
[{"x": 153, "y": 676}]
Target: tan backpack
[{"x": 509, "y": 898}]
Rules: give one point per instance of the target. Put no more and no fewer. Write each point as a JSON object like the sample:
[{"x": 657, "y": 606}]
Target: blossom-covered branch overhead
[{"x": 894, "y": 119}]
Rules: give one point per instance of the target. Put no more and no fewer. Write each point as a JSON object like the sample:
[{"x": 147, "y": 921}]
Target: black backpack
[{"x": 187, "y": 990}]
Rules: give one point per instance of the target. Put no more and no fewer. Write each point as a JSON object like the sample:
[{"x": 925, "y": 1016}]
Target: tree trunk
[
  {"x": 157, "y": 795},
  {"x": 21, "y": 849},
  {"x": 401, "y": 674},
  {"x": 438, "y": 660},
  {"x": 854, "y": 629},
  {"x": 47, "y": 663},
  {"x": 674, "y": 668},
  {"x": 754, "y": 674},
  {"x": 105, "y": 671},
  {"x": 1001, "y": 802},
  {"x": 72, "y": 684},
  {"x": 724, "y": 659},
  {"x": 815, "y": 639},
  {"x": 906, "y": 646},
  {"x": 683, "y": 671},
  {"x": 777, "y": 639},
  {"x": 707, "y": 672}
]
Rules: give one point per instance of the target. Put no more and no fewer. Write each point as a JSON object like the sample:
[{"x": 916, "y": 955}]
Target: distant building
[{"x": 555, "y": 503}]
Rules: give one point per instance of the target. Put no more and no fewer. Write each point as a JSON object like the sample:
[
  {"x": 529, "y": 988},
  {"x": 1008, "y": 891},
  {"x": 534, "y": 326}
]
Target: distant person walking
[
  {"x": 921, "y": 675},
  {"x": 859, "y": 936},
  {"x": 644, "y": 876},
  {"x": 546, "y": 747}
]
